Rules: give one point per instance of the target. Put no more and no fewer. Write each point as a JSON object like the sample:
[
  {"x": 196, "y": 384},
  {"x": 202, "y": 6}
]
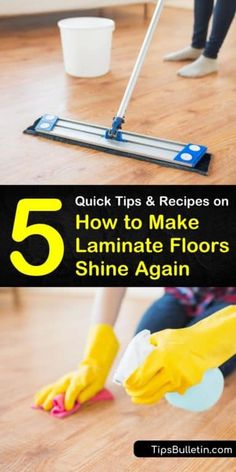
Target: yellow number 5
[{"x": 21, "y": 231}]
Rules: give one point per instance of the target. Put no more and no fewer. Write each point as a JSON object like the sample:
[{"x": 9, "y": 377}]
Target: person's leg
[
  {"x": 203, "y": 10},
  {"x": 224, "y": 13},
  {"x": 167, "y": 312},
  {"x": 229, "y": 366},
  {"x": 202, "y": 13}
]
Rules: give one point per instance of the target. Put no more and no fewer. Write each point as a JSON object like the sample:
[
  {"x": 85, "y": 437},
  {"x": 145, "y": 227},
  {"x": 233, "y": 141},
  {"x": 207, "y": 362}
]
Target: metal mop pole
[{"x": 119, "y": 118}]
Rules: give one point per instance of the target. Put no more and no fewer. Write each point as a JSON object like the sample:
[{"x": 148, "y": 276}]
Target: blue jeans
[
  {"x": 223, "y": 15},
  {"x": 168, "y": 312}
]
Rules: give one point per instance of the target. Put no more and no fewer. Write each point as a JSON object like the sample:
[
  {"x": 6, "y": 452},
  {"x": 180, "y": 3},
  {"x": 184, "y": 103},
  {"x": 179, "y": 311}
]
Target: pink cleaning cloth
[{"x": 58, "y": 410}]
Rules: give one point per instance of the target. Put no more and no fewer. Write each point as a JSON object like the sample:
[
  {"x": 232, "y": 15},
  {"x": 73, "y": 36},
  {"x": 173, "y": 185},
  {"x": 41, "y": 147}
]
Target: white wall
[
  {"x": 16, "y": 7},
  {"x": 143, "y": 293},
  {"x": 180, "y": 3}
]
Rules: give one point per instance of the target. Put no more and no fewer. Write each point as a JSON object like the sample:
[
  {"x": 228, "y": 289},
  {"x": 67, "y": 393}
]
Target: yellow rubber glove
[
  {"x": 182, "y": 356},
  {"x": 89, "y": 379}
]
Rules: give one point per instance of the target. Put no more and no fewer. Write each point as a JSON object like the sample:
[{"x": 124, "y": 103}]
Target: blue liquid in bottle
[{"x": 200, "y": 397}]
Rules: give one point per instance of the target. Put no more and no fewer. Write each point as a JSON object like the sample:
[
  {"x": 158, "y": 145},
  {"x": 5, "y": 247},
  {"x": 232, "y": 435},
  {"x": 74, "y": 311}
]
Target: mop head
[{"x": 191, "y": 157}]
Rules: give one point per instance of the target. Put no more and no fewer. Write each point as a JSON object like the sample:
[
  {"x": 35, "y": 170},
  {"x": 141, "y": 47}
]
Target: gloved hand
[
  {"x": 182, "y": 356},
  {"x": 89, "y": 379}
]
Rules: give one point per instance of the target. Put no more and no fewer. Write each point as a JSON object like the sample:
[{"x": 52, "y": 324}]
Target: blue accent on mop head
[
  {"x": 191, "y": 154},
  {"x": 117, "y": 137},
  {"x": 47, "y": 123},
  {"x": 115, "y": 132}
]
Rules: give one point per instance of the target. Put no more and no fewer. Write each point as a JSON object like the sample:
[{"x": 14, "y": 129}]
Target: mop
[{"x": 114, "y": 140}]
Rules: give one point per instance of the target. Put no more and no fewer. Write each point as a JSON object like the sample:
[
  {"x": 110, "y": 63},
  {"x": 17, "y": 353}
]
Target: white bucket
[{"x": 86, "y": 45}]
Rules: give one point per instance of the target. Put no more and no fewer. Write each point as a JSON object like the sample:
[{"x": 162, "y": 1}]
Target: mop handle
[{"x": 141, "y": 57}]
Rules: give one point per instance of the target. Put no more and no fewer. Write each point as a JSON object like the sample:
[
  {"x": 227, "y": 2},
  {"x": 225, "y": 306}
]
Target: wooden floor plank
[
  {"x": 44, "y": 340},
  {"x": 33, "y": 82}
]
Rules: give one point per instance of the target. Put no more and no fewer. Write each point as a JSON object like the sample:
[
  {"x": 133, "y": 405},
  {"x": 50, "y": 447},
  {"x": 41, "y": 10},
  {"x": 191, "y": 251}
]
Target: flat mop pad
[
  {"x": 59, "y": 411},
  {"x": 192, "y": 157}
]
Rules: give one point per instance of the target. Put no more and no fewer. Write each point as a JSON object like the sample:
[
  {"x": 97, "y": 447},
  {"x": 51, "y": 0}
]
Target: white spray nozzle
[{"x": 134, "y": 356}]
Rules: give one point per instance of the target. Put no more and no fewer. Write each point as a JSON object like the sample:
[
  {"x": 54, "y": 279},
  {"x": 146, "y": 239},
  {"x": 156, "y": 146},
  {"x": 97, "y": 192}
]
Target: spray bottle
[{"x": 200, "y": 397}]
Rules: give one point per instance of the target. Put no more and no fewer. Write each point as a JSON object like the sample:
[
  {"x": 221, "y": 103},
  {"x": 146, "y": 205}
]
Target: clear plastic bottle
[{"x": 200, "y": 397}]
